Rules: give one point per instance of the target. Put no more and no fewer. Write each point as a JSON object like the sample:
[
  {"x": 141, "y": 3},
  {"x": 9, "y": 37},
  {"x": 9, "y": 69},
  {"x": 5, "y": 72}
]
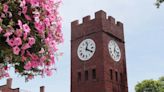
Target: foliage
[
  {"x": 150, "y": 85},
  {"x": 158, "y": 2},
  {"x": 30, "y": 31}
]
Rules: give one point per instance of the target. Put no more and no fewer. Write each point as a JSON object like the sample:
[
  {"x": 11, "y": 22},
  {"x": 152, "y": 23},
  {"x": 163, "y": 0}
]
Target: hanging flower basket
[{"x": 30, "y": 31}]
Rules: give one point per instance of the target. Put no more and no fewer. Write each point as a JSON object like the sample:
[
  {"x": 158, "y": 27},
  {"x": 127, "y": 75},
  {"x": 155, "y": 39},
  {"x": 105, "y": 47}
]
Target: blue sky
[{"x": 144, "y": 35}]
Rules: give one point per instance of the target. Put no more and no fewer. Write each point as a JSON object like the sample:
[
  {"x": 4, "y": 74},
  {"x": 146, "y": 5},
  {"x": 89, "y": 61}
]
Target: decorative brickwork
[
  {"x": 103, "y": 73},
  {"x": 7, "y": 87}
]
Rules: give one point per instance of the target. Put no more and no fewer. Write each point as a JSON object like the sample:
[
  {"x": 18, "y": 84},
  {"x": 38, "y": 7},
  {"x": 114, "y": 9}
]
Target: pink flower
[
  {"x": 52, "y": 59},
  {"x": 20, "y": 24},
  {"x": 30, "y": 77},
  {"x": 25, "y": 36},
  {"x": 10, "y": 42},
  {"x": 48, "y": 72},
  {"x": 25, "y": 46},
  {"x": 18, "y": 33},
  {"x": 7, "y": 34},
  {"x": 24, "y": 58},
  {"x": 48, "y": 7},
  {"x": 34, "y": 64},
  {"x": 24, "y": 10},
  {"x": 5, "y": 8},
  {"x": 52, "y": 18},
  {"x": 47, "y": 22},
  {"x": 34, "y": 3},
  {"x": 31, "y": 41},
  {"x": 41, "y": 51},
  {"x": 1, "y": 29},
  {"x": 34, "y": 57},
  {"x": 40, "y": 27},
  {"x": 16, "y": 50},
  {"x": 27, "y": 17},
  {"x": 6, "y": 75},
  {"x": 28, "y": 65},
  {"x": 42, "y": 59},
  {"x": 47, "y": 40},
  {"x": 26, "y": 28},
  {"x": 52, "y": 44},
  {"x": 17, "y": 41},
  {"x": 23, "y": 3}
]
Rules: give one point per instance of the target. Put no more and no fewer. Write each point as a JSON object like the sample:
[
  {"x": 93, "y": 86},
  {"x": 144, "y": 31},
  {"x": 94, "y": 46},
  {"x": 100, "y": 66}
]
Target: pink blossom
[
  {"x": 30, "y": 77},
  {"x": 26, "y": 28},
  {"x": 28, "y": 65},
  {"x": 17, "y": 41},
  {"x": 24, "y": 58},
  {"x": 20, "y": 24},
  {"x": 7, "y": 34},
  {"x": 47, "y": 40},
  {"x": 31, "y": 41},
  {"x": 18, "y": 33},
  {"x": 52, "y": 18},
  {"x": 52, "y": 44},
  {"x": 34, "y": 64},
  {"x": 52, "y": 59},
  {"x": 47, "y": 22},
  {"x": 5, "y": 8},
  {"x": 6, "y": 75},
  {"x": 16, "y": 50},
  {"x": 48, "y": 72},
  {"x": 27, "y": 17},
  {"x": 40, "y": 27},
  {"x": 23, "y": 3},
  {"x": 1, "y": 29},
  {"x": 41, "y": 51},
  {"x": 38, "y": 19},
  {"x": 25, "y": 46},
  {"x": 25, "y": 36},
  {"x": 34, "y": 3},
  {"x": 3, "y": 15},
  {"x": 24, "y": 10},
  {"x": 10, "y": 42},
  {"x": 42, "y": 59},
  {"x": 34, "y": 57},
  {"x": 48, "y": 7}
]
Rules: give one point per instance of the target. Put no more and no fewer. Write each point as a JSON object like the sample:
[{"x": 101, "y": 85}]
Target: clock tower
[{"x": 98, "y": 62}]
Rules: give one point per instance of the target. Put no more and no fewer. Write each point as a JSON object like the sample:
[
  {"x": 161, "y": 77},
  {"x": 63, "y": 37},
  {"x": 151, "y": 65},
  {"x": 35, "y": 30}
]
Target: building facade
[
  {"x": 8, "y": 87},
  {"x": 98, "y": 62}
]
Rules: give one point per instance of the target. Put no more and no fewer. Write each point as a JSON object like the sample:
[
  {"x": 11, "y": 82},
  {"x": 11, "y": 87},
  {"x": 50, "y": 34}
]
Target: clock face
[
  {"x": 114, "y": 50},
  {"x": 86, "y": 49}
]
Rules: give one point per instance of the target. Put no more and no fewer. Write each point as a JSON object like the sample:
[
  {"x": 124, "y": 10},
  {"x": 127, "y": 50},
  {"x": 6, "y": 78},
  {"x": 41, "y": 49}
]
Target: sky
[{"x": 144, "y": 35}]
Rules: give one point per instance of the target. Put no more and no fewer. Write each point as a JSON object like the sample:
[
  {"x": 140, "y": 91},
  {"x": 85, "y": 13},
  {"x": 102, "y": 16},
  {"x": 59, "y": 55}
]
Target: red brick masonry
[{"x": 7, "y": 87}]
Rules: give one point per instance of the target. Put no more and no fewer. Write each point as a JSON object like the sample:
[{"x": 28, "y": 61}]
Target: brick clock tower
[{"x": 98, "y": 62}]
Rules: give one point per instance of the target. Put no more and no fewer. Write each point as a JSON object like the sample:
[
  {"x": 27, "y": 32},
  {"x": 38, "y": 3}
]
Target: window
[
  {"x": 86, "y": 75},
  {"x": 121, "y": 77},
  {"x": 116, "y": 74},
  {"x": 79, "y": 76},
  {"x": 111, "y": 74},
  {"x": 93, "y": 73}
]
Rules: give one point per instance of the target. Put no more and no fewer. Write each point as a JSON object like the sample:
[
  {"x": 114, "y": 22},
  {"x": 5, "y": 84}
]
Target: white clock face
[
  {"x": 86, "y": 49},
  {"x": 114, "y": 50}
]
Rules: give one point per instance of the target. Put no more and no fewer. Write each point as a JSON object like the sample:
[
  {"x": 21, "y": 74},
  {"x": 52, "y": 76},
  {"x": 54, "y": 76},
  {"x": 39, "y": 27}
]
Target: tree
[
  {"x": 151, "y": 85},
  {"x": 161, "y": 80},
  {"x": 158, "y": 3},
  {"x": 148, "y": 86}
]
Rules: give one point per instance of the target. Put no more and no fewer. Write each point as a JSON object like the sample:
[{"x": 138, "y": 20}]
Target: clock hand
[{"x": 89, "y": 50}]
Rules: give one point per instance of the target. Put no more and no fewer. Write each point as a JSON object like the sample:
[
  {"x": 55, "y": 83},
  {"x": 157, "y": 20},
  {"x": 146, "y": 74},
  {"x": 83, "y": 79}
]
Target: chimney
[
  {"x": 9, "y": 82},
  {"x": 42, "y": 89}
]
